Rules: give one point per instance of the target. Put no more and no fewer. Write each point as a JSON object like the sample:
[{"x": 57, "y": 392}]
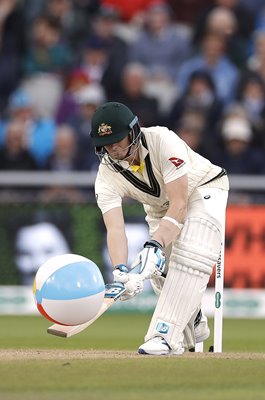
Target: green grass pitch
[{"x": 101, "y": 363}]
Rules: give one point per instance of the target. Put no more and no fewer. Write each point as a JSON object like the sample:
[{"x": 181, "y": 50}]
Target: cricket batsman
[{"x": 184, "y": 196}]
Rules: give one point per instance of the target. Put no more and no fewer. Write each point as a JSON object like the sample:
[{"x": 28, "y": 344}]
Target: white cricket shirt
[{"x": 166, "y": 157}]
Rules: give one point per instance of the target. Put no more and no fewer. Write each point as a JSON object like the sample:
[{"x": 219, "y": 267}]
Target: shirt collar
[{"x": 137, "y": 168}]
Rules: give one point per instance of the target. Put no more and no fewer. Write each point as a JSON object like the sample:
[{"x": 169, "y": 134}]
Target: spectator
[
  {"x": 94, "y": 59},
  {"x": 48, "y": 59},
  {"x": 200, "y": 96},
  {"x": 244, "y": 18},
  {"x": 133, "y": 95},
  {"x": 161, "y": 47},
  {"x": 95, "y": 63},
  {"x": 19, "y": 107},
  {"x": 222, "y": 21},
  {"x": 46, "y": 51},
  {"x": 212, "y": 58},
  {"x": 64, "y": 156},
  {"x": 68, "y": 106},
  {"x": 238, "y": 155},
  {"x": 256, "y": 61},
  {"x": 72, "y": 21},
  {"x": 88, "y": 99},
  {"x": 14, "y": 155},
  {"x": 39, "y": 131},
  {"x": 104, "y": 35},
  {"x": 105, "y": 27},
  {"x": 251, "y": 94},
  {"x": 191, "y": 129},
  {"x": 12, "y": 48}
]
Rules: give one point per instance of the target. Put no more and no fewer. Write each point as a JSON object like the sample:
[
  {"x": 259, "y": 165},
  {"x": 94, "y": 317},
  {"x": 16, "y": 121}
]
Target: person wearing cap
[
  {"x": 184, "y": 196},
  {"x": 239, "y": 155},
  {"x": 87, "y": 98},
  {"x": 39, "y": 130},
  {"x": 68, "y": 106}
]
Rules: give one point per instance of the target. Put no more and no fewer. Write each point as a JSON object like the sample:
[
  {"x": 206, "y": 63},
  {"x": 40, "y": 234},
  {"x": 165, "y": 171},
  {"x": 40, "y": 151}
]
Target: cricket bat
[{"x": 113, "y": 291}]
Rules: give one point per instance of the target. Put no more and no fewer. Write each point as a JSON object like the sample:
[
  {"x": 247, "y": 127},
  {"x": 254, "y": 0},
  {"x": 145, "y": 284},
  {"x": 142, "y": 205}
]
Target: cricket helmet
[{"x": 111, "y": 123}]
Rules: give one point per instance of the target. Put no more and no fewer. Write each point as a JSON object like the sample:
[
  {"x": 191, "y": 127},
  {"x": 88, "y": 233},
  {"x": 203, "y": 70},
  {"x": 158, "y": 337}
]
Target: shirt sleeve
[
  {"x": 106, "y": 195},
  {"x": 174, "y": 156}
]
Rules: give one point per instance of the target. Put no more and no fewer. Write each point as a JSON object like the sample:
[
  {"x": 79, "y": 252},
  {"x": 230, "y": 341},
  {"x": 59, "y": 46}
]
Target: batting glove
[
  {"x": 133, "y": 283},
  {"x": 152, "y": 260}
]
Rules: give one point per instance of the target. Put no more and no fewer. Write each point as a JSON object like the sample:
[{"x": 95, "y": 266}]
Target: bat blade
[{"x": 113, "y": 291}]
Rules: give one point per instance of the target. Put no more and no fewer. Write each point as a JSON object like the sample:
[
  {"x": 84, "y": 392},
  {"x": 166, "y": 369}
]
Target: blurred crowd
[{"x": 197, "y": 68}]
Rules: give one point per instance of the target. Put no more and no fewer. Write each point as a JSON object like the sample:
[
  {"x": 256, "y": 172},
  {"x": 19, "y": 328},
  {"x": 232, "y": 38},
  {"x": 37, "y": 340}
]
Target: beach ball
[{"x": 69, "y": 289}]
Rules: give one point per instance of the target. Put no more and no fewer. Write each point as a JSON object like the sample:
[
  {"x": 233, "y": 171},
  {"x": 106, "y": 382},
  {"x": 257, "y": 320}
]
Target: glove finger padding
[
  {"x": 120, "y": 274},
  {"x": 133, "y": 283},
  {"x": 133, "y": 287}
]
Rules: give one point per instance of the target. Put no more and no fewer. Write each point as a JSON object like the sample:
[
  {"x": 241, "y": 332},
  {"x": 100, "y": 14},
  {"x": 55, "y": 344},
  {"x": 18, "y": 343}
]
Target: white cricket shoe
[
  {"x": 202, "y": 331},
  {"x": 159, "y": 347}
]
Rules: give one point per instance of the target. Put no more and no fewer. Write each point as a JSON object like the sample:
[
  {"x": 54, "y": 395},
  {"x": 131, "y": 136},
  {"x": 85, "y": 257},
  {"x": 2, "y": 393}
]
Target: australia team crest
[{"x": 104, "y": 129}]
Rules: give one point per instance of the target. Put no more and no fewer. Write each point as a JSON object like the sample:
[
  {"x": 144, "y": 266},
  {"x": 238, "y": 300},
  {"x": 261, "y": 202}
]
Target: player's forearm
[
  {"x": 171, "y": 224},
  {"x": 166, "y": 233},
  {"x": 169, "y": 228},
  {"x": 116, "y": 237},
  {"x": 117, "y": 246}
]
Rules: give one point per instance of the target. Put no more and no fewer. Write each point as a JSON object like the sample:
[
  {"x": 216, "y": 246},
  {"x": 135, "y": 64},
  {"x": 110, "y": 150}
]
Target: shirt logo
[
  {"x": 176, "y": 161},
  {"x": 104, "y": 129}
]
